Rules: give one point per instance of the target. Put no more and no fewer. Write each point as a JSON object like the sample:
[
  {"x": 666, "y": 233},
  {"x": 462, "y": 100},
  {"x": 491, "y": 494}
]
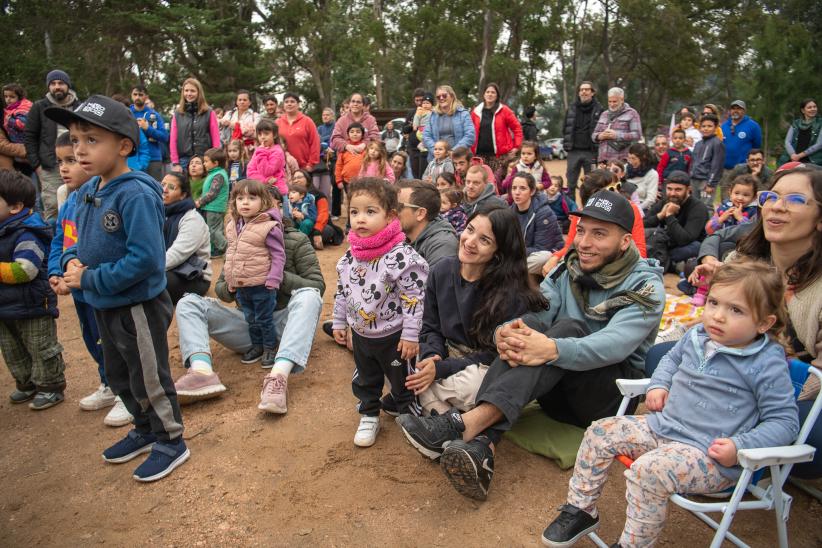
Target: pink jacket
[
  {"x": 371, "y": 169},
  {"x": 266, "y": 163}
]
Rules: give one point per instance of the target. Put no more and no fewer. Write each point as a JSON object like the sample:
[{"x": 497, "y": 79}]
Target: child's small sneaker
[
  {"x": 274, "y": 394},
  {"x": 100, "y": 399},
  {"x": 252, "y": 355},
  {"x": 164, "y": 458},
  {"x": 269, "y": 356},
  {"x": 44, "y": 400},
  {"x": 119, "y": 415},
  {"x": 133, "y": 445},
  {"x": 367, "y": 431},
  {"x": 22, "y": 396}
]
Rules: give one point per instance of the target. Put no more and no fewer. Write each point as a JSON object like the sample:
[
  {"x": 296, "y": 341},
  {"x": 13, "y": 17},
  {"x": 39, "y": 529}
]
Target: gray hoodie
[
  {"x": 488, "y": 196},
  {"x": 436, "y": 241}
]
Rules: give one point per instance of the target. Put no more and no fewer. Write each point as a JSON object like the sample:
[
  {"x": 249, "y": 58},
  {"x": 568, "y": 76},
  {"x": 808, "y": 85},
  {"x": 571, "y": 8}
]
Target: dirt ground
[{"x": 295, "y": 480}]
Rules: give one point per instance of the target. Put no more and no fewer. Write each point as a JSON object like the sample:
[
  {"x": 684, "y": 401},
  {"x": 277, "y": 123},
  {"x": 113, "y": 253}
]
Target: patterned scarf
[
  {"x": 373, "y": 247},
  {"x": 609, "y": 276}
]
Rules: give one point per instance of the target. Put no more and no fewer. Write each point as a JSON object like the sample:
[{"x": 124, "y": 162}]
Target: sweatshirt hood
[
  {"x": 141, "y": 177},
  {"x": 437, "y": 226},
  {"x": 490, "y": 190}
]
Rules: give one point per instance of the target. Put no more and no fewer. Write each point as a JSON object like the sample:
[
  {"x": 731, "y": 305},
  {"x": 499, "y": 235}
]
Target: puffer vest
[
  {"x": 193, "y": 133},
  {"x": 247, "y": 258},
  {"x": 29, "y": 300}
]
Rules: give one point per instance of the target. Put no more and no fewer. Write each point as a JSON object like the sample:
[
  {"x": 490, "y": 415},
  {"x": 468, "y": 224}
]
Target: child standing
[
  {"x": 380, "y": 292},
  {"x": 119, "y": 264},
  {"x": 375, "y": 162},
  {"x": 723, "y": 387},
  {"x": 303, "y": 208},
  {"x": 214, "y": 200},
  {"x": 560, "y": 203},
  {"x": 349, "y": 163},
  {"x": 196, "y": 176},
  {"x": 65, "y": 236},
  {"x": 708, "y": 159},
  {"x": 237, "y": 161},
  {"x": 28, "y": 307},
  {"x": 254, "y": 264},
  {"x": 267, "y": 165},
  {"x": 528, "y": 163},
  {"x": 678, "y": 157},
  {"x": 692, "y": 134},
  {"x": 451, "y": 208},
  {"x": 441, "y": 164},
  {"x": 739, "y": 209},
  {"x": 421, "y": 118}
]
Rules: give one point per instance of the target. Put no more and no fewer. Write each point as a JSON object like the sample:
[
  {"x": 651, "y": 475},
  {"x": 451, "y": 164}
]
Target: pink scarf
[{"x": 374, "y": 247}]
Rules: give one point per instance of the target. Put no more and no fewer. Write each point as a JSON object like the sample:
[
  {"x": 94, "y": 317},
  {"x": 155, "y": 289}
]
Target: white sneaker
[
  {"x": 100, "y": 399},
  {"x": 366, "y": 434},
  {"x": 119, "y": 415}
]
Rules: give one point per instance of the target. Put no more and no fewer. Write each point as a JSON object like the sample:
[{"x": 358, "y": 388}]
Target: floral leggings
[{"x": 661, "y": 468}]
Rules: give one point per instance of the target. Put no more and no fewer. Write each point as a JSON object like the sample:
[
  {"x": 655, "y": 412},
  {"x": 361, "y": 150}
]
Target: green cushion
[{"x": 538, "y": 433}]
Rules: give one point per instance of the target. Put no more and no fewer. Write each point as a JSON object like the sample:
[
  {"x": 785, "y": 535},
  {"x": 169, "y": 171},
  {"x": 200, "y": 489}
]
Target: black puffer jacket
[
  {"x": 41, "y": 134},
  {"x": 568, "y": 128}
]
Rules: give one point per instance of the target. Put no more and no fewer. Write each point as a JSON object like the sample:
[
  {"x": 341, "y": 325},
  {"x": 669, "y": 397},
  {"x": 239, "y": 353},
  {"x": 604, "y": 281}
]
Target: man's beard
[
  {"x": 608, "y": 260},
  {"x": 139, "y": 104},
  {"x": 59, "y": 94}
]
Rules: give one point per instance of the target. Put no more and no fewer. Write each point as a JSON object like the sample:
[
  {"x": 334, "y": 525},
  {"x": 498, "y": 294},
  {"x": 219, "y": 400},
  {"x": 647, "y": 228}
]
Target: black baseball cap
[
  {"x": 610, "y": 207},
  {"x": 100, "y": 111},
  {"x": 678, "y": 178}
]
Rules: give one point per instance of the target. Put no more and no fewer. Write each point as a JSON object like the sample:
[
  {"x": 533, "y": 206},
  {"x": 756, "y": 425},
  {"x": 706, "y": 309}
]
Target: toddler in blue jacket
[
  {"x": 725, "y": 386},
  {"x": 118, "y": 264}
]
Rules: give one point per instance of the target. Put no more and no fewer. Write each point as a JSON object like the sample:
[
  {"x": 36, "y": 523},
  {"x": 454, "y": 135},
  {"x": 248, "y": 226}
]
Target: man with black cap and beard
[
  {"x": 606, "y": 303},
  {"x": 41, "y": 134}
]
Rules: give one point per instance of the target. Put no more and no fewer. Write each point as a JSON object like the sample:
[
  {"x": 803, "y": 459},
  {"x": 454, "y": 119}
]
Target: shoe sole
[
  {"x": 18, "y": 402},
  {"x": 394, "y": 414},
  {"x": 205, "y": 393},
  {"x": 271, "y": 408},
  {"x": 174, "y": 464},
  {"x": 255, "y": 360},
  {"x": 430, "y": 453},
  {"x": 117, "y": 423},
  {"x": 48, "y": 405},
  {"x": 267, "y": 365},
  {"x": 570, "y": 542},
  {"x": 461, "y": 471},
  {"x": 96, "y": 406},
  {"x": 130, "y": 456}
]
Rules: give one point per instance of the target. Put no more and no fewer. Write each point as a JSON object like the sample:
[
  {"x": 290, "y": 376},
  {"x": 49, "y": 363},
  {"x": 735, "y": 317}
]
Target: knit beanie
[{"x": 58, "y": 74}]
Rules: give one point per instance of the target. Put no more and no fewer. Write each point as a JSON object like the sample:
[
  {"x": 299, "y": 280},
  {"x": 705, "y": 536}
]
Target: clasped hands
[{"x": 518, "y": 344}]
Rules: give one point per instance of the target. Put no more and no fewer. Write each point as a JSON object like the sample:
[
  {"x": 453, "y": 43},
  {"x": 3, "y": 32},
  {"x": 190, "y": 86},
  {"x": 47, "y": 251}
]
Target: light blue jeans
[{"x": 200, "y": 318}]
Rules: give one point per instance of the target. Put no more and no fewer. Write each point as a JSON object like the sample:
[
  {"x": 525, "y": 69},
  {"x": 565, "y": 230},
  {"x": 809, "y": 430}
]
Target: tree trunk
[
  {"x": 379, "y": 76},
  {"x": 606, "y": 43},
  {"x": 487, "y": 47}
]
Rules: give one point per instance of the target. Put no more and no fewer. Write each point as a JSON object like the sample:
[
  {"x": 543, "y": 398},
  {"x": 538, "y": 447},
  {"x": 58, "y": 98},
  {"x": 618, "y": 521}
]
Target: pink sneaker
[
  {"x": 195, "y": 386},
  {"x": 273, "y": 396}
]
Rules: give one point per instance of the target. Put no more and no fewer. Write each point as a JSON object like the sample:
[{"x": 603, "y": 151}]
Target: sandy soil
[{"x": 296, "y": 480}]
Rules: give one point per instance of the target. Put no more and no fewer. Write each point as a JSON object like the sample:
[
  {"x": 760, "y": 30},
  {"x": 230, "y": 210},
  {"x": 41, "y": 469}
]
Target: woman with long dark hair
[
  {"x": 499, "y": 133},
  {"x": 641, "y": 172},
  {"x": 803, "y": 143},
  {"x": 466, "y": 298}
]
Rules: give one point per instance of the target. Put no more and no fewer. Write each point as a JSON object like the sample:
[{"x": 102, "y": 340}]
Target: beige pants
[
  {"x": 537, "y": 260},
  {"x": 459, "y": 390}
]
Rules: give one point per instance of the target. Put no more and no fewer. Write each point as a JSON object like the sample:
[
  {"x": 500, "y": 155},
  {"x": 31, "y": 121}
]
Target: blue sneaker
[
  {"x": 133, "y": 445},
  {"x": 164, "y": 458}
]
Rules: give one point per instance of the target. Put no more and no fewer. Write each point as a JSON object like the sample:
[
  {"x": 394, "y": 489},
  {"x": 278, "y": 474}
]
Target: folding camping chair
[{"x": 779, "y": 460}]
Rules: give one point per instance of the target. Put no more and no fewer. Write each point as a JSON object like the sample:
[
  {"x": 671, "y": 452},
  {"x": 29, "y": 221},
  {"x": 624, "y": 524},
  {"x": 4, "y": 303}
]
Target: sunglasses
[
  {"x": 442, "y": 96},
  {"x": 403, "y": 205},
  {"x": 768, "y": 198}
]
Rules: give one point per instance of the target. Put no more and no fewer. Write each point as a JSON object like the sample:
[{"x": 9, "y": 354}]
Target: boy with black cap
[{"x": 119, "y": 265}]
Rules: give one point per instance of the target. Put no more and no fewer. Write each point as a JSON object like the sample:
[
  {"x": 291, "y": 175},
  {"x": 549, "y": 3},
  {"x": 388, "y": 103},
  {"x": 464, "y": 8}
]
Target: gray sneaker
[
  {"x": 269, "y": 355},
  {"x": 44, "y": 400},
  {"x": 22, "y": 396}
]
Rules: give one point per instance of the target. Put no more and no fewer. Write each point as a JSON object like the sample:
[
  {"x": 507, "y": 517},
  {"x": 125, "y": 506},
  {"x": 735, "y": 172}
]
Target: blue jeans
[
  {"x": 199, "y": 318},
  {"x": 258, "y": 304},
  {"x": 685, "y": 252}
]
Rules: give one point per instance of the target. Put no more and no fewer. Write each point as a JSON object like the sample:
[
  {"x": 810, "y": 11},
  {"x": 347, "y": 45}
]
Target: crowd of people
[{"x": 475, "y": 281}]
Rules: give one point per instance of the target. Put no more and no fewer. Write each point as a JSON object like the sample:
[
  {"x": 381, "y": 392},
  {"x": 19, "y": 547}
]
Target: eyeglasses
[
  {"x": 769, "y": 198},
  {"x": 403, "y": 205},
  {"x": 442, "y": 96}
]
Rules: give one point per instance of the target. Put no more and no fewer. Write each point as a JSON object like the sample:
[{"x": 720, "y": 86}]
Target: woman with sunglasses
[
  {"x": 788, "y": 233},
  {"x": 450, "y": 122},
  {"x": 499, "y": 133},
  {"x": 803, "y": 143},
  {"x": 356, "y": 113}
]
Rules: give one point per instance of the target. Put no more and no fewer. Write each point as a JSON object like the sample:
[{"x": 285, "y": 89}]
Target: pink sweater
[
  {"x": 213, "y": 129},
  {"x": 372, "y": 169},
  {"x": 267, "y": 163}
]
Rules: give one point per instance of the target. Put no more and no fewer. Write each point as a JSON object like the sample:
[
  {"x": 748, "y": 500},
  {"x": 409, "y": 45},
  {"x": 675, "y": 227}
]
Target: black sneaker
[
  {"x": 569, "y": 526},
  {"x": 22, "y": 396},
  {"x": 469, "y": 467},
  {"x": 430, "y": 435},
  {"x": 328, "y": 328},
  {"x": 389, "y": 406},
  {"x": 254, "y": 354},
  {"x": 44, "y": 400},
  {"x": 269, "y": 355}
]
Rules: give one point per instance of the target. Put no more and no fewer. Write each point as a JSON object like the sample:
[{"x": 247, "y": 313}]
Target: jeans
[
  {"x": 685, "y": 252},
  {"x": 577, "y": 161},
  {"x": 258, "y": 304},
  {"x": 199, "y": 318}
]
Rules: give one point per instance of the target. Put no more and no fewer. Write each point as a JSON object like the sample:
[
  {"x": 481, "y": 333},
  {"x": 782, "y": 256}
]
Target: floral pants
[{"x": 661, "y": 468}]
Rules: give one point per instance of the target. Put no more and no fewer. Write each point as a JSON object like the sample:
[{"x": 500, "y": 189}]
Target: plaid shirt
[{"x": 628, "y": 129}]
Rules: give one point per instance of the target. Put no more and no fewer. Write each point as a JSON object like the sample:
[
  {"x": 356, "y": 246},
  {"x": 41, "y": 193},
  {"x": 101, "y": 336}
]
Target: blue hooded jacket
[
  {"x": 157, "y": 132},
  {"x": 539, "y": 226},
  {"x": 140, "y": 161},
  {"x": 120, "y": 240}
]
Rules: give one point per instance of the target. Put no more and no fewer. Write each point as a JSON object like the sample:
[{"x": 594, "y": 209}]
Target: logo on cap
[
  {"x": 600, "y": 203},
  {"x": 95, "y": 108}
]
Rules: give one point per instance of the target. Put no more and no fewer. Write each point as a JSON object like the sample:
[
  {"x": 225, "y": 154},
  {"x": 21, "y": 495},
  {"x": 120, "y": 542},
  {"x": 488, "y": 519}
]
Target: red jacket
[
  {"x": 302, "y": 140},
  {"x": 505, "y": 124}
]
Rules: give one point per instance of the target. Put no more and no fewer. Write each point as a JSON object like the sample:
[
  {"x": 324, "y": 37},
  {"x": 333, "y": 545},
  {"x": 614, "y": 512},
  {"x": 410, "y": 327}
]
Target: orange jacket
[{"x": 348, "y": 166}]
